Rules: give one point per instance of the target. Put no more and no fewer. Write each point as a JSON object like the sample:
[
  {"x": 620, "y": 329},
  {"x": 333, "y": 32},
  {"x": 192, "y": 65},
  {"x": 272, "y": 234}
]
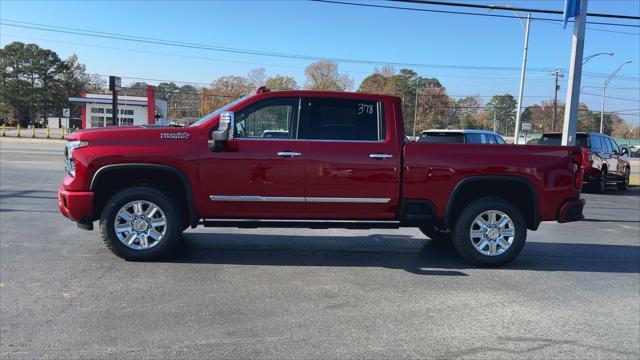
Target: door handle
[
  {"x": 381, "y": 156},
  {"x": 289, "y": 154}
]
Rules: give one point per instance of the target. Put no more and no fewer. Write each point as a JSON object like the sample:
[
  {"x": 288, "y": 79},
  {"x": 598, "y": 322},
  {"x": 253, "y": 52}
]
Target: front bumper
[
  {"x": 76, "y": 205},
  {"x": 571, "y": 210}
]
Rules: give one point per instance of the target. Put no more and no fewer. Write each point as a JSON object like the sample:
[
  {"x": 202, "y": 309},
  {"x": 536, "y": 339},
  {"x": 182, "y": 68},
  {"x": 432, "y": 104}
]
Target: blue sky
[{"x": 336, "y": 31}]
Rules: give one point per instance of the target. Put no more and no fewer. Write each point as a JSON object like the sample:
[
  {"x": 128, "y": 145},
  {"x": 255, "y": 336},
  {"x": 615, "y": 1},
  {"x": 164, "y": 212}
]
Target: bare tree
[
  {"x": 324, "y": 75},
  {"x": 223, "y": 91},
  {"x": 257, "y": 77},
  {"x": 280, "y": 82}
]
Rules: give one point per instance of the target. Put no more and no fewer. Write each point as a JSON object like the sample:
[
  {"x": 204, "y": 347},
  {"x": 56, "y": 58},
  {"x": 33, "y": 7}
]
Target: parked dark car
[
  {"x": 460, "y": 136},
  {"x": 607, "y": 162}
]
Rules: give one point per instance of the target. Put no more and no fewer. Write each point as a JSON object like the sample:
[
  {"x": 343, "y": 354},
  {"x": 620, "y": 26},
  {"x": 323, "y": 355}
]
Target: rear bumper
[
  {"x": 76, "y": 205},
  {"x": 571, "y": 210}
]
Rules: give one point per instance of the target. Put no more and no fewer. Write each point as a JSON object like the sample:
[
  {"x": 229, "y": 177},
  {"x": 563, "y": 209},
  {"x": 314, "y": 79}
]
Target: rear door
[{"x": 353, "y": 158}]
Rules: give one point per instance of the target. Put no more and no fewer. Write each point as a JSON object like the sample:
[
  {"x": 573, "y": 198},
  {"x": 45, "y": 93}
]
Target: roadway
[{"x": 282, "y": 293}]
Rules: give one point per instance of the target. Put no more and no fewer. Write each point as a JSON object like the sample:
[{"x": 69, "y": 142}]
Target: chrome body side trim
[
  {"x": 348, "y": 200},
  {"x": 246, "y": 198},
  {"x": 256, "y": 198}
]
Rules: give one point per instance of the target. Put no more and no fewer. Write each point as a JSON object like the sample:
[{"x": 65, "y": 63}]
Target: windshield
[
  {"x": 556, "y": 140},
  {"x": 217, "y": 112},
  {"x": 442, "y": 138}
]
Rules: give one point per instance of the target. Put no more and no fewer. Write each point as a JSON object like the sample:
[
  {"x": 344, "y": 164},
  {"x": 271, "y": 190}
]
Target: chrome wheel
[
  {"x": 140, "y": 225},
  {"x": 492, "y": 232}
]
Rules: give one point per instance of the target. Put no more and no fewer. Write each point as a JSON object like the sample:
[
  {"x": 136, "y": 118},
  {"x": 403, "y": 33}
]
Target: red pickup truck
[{"x": 313, "y": 160}]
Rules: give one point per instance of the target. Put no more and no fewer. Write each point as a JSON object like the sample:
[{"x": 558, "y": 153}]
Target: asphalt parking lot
[{"x": 282, "y": 293}]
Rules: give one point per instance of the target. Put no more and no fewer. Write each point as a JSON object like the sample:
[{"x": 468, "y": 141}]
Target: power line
[
  {"x": 511, "y": 8},
  {"x": 115, "y": 36},
  {"x": 133, "y": 38},
  {"x": 236, "y": 61},
  {"x": 460, "y": 12},
  {"x": 612, "y": 97}
]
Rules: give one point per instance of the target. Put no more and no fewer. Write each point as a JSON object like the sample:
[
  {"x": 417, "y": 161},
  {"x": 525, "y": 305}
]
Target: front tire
[
  {"x": 490, "y": 232},
  {"x": 140, "y": 223},
  {"x": 623, "y": 184}
]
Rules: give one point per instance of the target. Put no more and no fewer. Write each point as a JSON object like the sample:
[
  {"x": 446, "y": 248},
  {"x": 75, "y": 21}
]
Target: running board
[{"x": 307, "y": 224}]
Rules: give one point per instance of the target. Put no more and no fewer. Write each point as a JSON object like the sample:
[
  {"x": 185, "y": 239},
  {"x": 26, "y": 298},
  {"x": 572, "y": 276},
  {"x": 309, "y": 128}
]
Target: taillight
[{"x": 580, "y": 160}]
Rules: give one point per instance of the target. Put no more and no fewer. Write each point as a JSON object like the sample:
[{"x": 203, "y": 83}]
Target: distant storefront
[{"x": 133, "y": 110}]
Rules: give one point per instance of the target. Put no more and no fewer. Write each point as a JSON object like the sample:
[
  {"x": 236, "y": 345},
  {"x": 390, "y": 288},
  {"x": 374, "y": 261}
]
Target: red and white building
[{"x": 134, "y": 110}]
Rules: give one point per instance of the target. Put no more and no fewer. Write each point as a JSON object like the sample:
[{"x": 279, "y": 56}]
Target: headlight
[{"x": 70, "y": 165}]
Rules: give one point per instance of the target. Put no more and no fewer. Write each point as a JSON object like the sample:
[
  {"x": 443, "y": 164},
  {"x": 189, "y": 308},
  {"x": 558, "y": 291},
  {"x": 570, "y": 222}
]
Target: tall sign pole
[
  {"x": 115, "y": 87},
  {"x": 522, "y": 74},
  {"x": 575, "y": 70}
]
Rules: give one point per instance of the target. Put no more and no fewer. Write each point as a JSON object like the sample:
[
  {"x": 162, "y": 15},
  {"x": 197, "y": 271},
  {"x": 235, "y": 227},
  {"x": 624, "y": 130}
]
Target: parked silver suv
[{"x": 460, "y": 136}]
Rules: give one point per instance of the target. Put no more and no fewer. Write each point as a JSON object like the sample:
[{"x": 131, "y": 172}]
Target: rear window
[
  {"x": 344, "y": 119},
  {"x": 556, "y": 140},
  {"x": 473, "y": 138},
  {"x": 442, "y": 138}
]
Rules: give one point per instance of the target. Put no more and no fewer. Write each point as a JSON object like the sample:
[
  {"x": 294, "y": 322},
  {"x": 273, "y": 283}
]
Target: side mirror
[
  {"x": 624, "y": 151},
  {"x": 224, "y": 133}
]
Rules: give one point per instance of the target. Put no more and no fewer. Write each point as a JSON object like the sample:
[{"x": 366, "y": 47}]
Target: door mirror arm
[{"x": 224, "y": 132}]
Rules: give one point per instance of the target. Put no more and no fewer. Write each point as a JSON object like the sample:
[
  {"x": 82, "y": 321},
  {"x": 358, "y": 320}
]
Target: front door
[
  {"x": 353, "y": 159},
  {"x": 616, "y": 163},
  {"x": 260, "y": 172},
  {"x": 612, "y": 156}
]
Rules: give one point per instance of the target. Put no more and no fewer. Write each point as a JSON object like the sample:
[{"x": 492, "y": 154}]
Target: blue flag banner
[{"x": 571, "y": 10}]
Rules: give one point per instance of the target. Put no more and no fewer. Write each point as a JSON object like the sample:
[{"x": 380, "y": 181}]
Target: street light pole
[
  {"x": 522, "y": 75},
  {"x": 611, "y": 53},
  {"x": 604, "y": 89}
]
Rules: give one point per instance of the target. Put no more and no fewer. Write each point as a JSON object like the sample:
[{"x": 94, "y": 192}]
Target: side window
[
  {"x": 490, "y": 138},
  {"x": 500, "y": 140},
  {"x": 614, "y": 146},
  {"x": 606, "y": 145},
  {"x": 473, "y": 138},
  {"x": 595, "y": 143},
  {"x": 268, "y": 119},
  {"x": 343, "y": 119}
]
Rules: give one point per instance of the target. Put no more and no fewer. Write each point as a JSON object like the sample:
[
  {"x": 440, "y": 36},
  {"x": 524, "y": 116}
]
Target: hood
[{"x": 133, "y": 134}]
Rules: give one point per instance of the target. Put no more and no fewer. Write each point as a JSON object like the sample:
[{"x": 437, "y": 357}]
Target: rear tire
[
  {"x": 623, "y": 184},
  {"x": 600, "y": 185},
  {"x": 148, "y": 224},
  {"x": 490, "y": 240}
]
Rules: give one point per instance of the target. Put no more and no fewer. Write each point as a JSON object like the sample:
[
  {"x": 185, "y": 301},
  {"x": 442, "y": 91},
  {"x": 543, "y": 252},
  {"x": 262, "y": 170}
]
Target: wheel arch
[
  {"x": 137, "y": 172},
  {"x": 473, "y": 187}
]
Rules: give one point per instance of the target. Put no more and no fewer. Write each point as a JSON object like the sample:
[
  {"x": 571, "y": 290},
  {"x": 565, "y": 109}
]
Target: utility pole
[
  {"x": 522, "y": 74},
  {"x": 415, "y": 113},
  {"x": 557, "y": 73},
  {"x": 570, "y": 123}
]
